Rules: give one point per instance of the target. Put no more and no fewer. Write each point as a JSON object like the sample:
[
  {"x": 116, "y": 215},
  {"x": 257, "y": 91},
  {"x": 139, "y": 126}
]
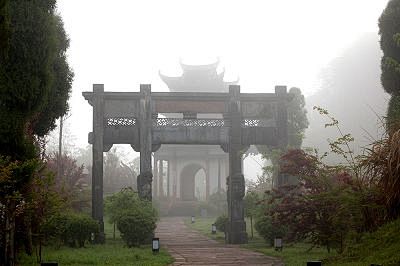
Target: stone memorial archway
[{"x": 132, "y": 118}]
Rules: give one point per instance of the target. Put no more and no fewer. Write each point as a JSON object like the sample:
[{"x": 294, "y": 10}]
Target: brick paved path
[{"x": 191, "y": 248}]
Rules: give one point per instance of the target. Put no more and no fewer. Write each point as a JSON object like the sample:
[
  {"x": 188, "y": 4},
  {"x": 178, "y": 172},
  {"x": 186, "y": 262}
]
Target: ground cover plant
[{"x": 113, "y": 252}]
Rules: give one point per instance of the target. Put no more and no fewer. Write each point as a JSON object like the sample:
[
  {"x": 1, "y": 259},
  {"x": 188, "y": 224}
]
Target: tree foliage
[
  {"x": 389, "y": 29},
  {"x": 4, "y": 28},
  {"x": 297, "y": 124},
  {"x": 251, "y": 204},
  {"x": 71, "y": 183},
  {"x": 35, "y": 83},
  {"x": 117, "y": 174},
  {"x": 35, "y": 79},
  {"x": 297, "y": 118},
  {"x": 326, "y": 205}
]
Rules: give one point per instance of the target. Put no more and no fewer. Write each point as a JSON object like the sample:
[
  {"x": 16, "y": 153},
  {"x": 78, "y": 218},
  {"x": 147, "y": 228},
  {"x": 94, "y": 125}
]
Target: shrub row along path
[{"x": 188, "y": 247}]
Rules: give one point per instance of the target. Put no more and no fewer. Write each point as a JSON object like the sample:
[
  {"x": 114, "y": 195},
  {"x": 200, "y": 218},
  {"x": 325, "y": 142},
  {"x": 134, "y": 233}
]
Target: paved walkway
[{"x": 189, "y": 247}]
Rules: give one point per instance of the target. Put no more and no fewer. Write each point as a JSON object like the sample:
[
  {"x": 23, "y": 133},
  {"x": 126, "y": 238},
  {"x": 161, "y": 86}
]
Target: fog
[
  {"x": 264, "y": 43},
  {"x": 352, "y": 93}
]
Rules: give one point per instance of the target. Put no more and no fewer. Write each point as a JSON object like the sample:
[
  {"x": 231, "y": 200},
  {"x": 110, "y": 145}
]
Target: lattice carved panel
[
  {"x": 176, "y": 122},
  {"x": 120, "y": 122},
  {"x": 258, "y": 123}
]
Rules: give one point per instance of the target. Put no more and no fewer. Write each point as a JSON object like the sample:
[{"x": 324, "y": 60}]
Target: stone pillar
[
  {"x": 155, "y": 177},
  {"x": 281, "y": 122},
  {"x": 145, "y": 123},
  {"x": 236, "y": 233},
  {"x": 97, "y": 167},
  {"x": 161, "y": 177},
  {"x": 207, "y": 178}
]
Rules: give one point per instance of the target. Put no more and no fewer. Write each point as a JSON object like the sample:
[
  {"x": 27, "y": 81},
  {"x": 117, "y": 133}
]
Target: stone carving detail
[
  {"x": 144, "y": 185},
  {"x": 120, "y": 122},
  {"x": 258, "y": 123},
  {"x": 238, "y": 187},
  {"x": 176, "y": 122}
]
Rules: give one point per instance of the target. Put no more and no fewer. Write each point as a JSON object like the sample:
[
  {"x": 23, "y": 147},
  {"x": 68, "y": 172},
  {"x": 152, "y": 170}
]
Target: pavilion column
[
  {"x": 219, "y": 176},
  {"x": 155, "y": 177},
  {"x": 207, "y": 178},
  {"x": 174, "y": 176},
  {"x": 282, "y": 132},
  {"x": 161, "y": 177},
  {"x": 97, "y": 167},
  {"x": 168, "y": 179},
  {"x": 236, "y": 233},
  {"x": 145, "y": 122}
]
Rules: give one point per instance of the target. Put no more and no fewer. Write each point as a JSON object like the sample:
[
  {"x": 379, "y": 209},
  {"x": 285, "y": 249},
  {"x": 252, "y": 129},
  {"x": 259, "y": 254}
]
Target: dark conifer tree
[
  {"x": 35, "y": 79},
  {"x": 389, "y": 29}
]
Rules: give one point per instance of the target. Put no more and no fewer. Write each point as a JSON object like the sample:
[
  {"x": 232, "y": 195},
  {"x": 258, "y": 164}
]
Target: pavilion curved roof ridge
[
  {"x": 188, "y": 67},
  {"x": 167, "y": 79}
]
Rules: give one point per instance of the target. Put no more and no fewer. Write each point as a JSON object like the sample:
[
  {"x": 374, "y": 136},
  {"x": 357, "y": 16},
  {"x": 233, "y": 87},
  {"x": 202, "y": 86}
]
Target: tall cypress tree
[
  {"x": 35, "y": 79},
  {"x": 35, "y": 83},
  {"x": 389, "y": 29}
]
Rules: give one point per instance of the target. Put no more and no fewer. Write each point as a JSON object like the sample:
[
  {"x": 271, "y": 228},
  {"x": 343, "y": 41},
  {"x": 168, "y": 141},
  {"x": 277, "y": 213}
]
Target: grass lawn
[
  {"x": 113, "y": 252},
  {"x": 292, "y": 255}
]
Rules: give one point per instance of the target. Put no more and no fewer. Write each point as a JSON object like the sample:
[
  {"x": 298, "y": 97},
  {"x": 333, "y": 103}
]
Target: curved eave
[
  {"x": 171, "y": 82},
  {"x": 199, "y": 67}
]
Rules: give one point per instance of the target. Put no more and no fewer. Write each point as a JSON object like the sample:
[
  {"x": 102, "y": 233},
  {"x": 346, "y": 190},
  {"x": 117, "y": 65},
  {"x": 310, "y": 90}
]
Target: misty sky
[{"x": 265, "y": 43}]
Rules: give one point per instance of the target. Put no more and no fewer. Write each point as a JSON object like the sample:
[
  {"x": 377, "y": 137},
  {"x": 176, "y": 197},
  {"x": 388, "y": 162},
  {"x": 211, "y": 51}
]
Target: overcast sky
[{"x": 265, "y": 43}]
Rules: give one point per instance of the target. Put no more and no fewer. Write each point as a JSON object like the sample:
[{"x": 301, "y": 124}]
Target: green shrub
[
  {"x": 221, "y": 222},
  {"x": 79, "y": 229},
  {"x": 135, "y": 218},
  {"x": 137, "y": 225},
  {"x": 70, "y": 228},
  {"x": 54, "y": 229},
  {"x": 268, "y": 230}
]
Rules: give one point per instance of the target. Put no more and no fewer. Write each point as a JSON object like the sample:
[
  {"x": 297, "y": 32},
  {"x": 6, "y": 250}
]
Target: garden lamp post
[
  {"x": 155, "y": 245},
  {"x": 314, "y": 263},
  {"x": 213, "y": 229},
  {"x": 278, "y": 243}
]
